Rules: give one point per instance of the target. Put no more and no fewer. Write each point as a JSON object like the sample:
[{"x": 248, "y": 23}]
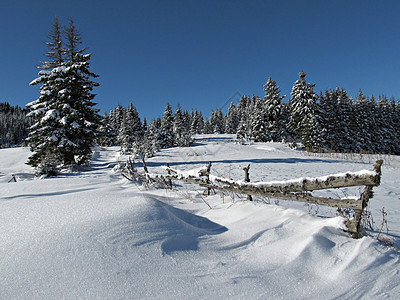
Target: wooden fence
[{"x": 294, "y": 190}]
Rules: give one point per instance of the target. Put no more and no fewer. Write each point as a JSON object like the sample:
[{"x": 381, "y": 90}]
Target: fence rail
[{"x": 293, "y": 190}]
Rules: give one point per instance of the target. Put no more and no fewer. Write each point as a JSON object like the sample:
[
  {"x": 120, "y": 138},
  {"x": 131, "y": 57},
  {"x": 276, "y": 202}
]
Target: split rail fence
[{"x": 293, "y": 190}]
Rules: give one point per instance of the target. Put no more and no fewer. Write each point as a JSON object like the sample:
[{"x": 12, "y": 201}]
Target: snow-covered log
[{"x": 361, "y": 178}]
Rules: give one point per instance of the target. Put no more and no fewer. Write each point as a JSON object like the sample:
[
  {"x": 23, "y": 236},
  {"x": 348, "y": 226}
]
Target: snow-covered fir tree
[
  {"x": 273, "y": 111},
  {"x": 231, "y": 119},
  {"x": 106, "y": 136},
  {"x": 65, "y": 120},
  {"x": 243, "y": 108},
  {"x": 143, "y": 146},
  {"x": 207, "y": 127},
  {"x": 258, "y": 127},
  {"x": 187, "y": 119},
  {"x": 45, "y": 111},
  {"x": 14, "y": 125},
  {"x": 166, "y": 137},
  {"x": 362, "y": 123},
  {"x": 217, "y": 123},
  {"x": 153, "y": 137},
  {"x": 124, "y": 139},
  {"x": 116, "y": 116},
  {"x": 334, "y": 119},
  {"x": 197, "y": 124},
  {"x": 182, "y": 135},
  {"x": 80, "y": 119},
  {"x": 303, "y": 110},
  {"x": 242, "y": 133}
]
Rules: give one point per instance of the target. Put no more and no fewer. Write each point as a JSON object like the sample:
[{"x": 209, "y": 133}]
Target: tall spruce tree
[
  {"x": 182, "y": 135},
  {"x": 45, "y": 111},
  {"x": 303, "y": 110},
  {"x": 258, "y": 125},
  {"x": 273, "y": 111},
  {"x": 166, "y": 137},
  {"x": 65, "y": 121},
  {"x": 231, "y": 119},
  {"x": 80, "y": 118}
]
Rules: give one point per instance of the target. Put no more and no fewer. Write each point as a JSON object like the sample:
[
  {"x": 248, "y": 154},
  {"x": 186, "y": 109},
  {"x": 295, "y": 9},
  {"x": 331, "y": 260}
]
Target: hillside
[{"x": 95, "y": 235}]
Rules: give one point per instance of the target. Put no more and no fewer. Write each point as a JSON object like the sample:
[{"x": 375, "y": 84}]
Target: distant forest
[
  {"x": 14, "y": 125},
  {"x": 331, "y": 121}
]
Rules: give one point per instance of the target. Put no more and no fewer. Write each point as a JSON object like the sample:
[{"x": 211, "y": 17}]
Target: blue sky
[{"x": 202, "y": 53}]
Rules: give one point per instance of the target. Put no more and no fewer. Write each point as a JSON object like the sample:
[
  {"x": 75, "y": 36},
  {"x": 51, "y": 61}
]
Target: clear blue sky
[{"x": 200, "y": 53}]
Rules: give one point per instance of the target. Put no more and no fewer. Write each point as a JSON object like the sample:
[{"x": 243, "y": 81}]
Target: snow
[
  {"x": 95, "y": 235},
  {"x": 282, "y": 183},
  {"x": 193, "y": 173},
  {"x": 50, "y": 114}
]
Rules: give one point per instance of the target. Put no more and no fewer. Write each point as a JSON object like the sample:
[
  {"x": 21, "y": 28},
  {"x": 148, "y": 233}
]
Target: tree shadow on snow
[
  {"x": 39, "y": 195},
  {"x": 254, "y": 161}
]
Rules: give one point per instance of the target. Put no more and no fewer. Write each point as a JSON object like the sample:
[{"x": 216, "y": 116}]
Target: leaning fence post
[
  {"x": 247, "y": 179},
  {"x": 364, "y": 198},
  {"x": 208, "y": 178},
  {"x": 13, "y": 178},
  {"x": 169, "y": 179},
  {"x": 145, "y": 165}
]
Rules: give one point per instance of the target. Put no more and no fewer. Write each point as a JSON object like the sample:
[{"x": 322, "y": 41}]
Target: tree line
[
  {"x": 14, "y": 125},
  {"x": 331, "y": 121},
  {"x": 64, "y": 124},
  {"x": 124, "y": 127}
]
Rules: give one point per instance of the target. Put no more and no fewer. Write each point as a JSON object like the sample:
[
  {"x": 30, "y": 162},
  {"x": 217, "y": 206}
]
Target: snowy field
[{"x": 95, "y": 235}]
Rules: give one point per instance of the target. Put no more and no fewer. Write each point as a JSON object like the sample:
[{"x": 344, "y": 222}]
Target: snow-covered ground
[{"x": 95, "y": 235}]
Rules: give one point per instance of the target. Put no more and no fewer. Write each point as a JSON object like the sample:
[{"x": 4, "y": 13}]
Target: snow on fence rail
[{"x": 294, "y": 190}]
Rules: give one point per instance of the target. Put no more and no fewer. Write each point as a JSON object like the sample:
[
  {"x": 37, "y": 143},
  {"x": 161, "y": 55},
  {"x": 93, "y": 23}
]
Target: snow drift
[{"x": 95, "y": 235}]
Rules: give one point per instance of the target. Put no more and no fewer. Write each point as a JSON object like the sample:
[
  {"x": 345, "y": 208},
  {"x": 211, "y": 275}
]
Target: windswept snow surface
[{"x": 95, "y": 235}]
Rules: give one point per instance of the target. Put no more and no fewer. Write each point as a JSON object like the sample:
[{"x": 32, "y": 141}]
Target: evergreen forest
[{"x": 62, "y": 125}]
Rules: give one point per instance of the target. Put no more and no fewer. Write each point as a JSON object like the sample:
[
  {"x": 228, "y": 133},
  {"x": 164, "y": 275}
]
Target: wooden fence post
[
  {"x": 247, "y": 179},
  {"x": 208, "y": 178},
  {"x": 169, "y": 179},
  {"x": 145, "y": 165},
  {"x": 13, "y": 178},
  {"x": 364, "y": 198}
]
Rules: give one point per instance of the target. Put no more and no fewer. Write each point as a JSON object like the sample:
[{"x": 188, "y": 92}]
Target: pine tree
[
  {"x": 329, "y": 110},
  {"x": 273, "y": 111},
  {"x": 166, "y": 137},
  {"x": 207, "y": 127},
  {"x": 65, "y": 121},
  {"x": 124, "y": 138},
  {"x": 243, "y": 108},
  {"x": 153, "y": 135},
  {"x": 362, "y": 132},
  {"x": 45, "y": 111},
  {"x": 55, "y": 50},
  {"x": 257, "y": 122},
  {"x": 217, "y": 123},
  {"x": 13, "y": 125},
  {"x": 303, "y": 110},
  {"x": 231, "y": 119},
  {"x": 242, "y": 134},
  {"x": 182, "y": 136},
  {"x": 197, "y": 124},
  {"x": 106, "y": 136},
  {"x": 201, "y": 124},
  {"x": 80, "y": 118},
  {"x": 115, "y": 120}
]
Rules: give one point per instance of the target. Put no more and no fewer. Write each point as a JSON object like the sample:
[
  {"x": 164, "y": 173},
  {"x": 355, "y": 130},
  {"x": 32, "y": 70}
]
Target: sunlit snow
[{"x": 95, "y": 235}]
